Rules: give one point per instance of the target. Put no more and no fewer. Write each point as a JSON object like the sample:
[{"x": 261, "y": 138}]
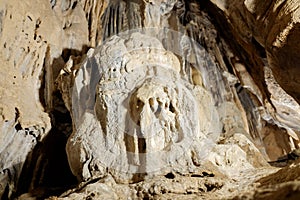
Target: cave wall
[
  {"x": 263, "y": 31},
  {"x": 252, "y": 45},
  {"x": 274, "y": 26}
]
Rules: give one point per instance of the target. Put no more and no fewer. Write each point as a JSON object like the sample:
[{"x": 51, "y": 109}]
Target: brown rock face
[
  {"x": 273, "y": 25},
  {"x": 149, "y": 99}
]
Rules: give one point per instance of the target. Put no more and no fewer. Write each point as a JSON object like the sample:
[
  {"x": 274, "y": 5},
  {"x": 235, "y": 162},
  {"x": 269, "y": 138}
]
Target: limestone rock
[
  {"x": 32, "y": 39},
  {"x": 157, "y": 99},
  {"x": 282, "y": 184},
  {"x": 146, "y": 117},
  {"x": 267, "y": 31},
  {"x": 172, "y": 185},
  {"x": 274, "y": 25}
]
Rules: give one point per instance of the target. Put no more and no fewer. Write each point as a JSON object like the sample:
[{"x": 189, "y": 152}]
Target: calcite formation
[
  {"x": 146, "y": 116},
  {"x": 148, "y": 99}
]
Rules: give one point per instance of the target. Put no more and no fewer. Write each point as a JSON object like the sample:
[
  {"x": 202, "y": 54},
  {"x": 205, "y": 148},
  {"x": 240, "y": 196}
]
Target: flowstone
[{"x": 147, "y": 117}]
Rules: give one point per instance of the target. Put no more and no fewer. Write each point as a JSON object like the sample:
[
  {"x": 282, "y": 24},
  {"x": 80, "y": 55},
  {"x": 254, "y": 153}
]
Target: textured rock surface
[
  {"x": 32, "y": 40},
  {"x": 189, "y": 108},
  {"x": 273, "y": 25},
  {"x": 263, "y": 31},
  {"x": 146, "y": 115}
]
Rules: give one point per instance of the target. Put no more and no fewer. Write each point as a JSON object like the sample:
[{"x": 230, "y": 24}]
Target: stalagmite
[{"x": 149, "y": 99}]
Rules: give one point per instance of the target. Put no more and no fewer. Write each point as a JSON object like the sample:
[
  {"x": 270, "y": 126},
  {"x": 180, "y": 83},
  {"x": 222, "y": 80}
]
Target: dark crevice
[
  {"x": 5, "y": 193},
  {"x": 74, "y": 5},
  {"x": 68, "y": 52},
  {"x": 18, "y": 127},
  {"x": 170, "y": 175},
  {"x": 260, "y": 49},
  {"x": 171, "y": 108},
  {"x": 204, "y": 174},
  {"x": 210, "y": 187},
  {"x": 142, "y": 9},
  {"x": 90, "y": 21},
  {"x": 17, "y": 114},
  {"x": 43, "y": 79},
  {"x": 46, "y": 171}
]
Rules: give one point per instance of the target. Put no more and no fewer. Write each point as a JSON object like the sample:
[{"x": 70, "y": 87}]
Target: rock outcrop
[
  {"x": 148, "y": 115},
  {"x": 273, "y": 26},
  {"x": 148, "y": 99}
]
